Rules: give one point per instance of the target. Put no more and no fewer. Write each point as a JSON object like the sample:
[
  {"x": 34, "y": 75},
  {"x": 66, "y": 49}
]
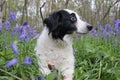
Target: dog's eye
[{"x": 73, "y": 17}]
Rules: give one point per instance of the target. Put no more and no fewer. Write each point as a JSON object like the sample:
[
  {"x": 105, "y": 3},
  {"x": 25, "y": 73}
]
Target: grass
[{"x": 97, "y": 57}]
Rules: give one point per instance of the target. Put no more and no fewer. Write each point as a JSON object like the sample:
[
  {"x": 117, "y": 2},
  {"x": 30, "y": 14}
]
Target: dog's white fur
[{"x": 59, "y": 52}]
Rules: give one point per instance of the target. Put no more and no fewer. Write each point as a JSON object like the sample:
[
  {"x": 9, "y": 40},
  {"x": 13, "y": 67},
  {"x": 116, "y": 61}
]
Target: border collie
[{"x": 54, "y": 46}]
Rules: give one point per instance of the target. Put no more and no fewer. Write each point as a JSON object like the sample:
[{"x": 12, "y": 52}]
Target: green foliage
[{"x": 97, "y": 59}]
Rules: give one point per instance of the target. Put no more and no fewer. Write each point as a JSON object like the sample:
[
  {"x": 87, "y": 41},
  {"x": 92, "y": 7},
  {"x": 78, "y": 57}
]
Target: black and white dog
[{"x": 55, "y": 42}]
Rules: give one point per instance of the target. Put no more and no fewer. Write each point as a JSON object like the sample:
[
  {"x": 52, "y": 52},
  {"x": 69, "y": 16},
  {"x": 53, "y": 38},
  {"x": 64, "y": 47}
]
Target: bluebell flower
[
  {"x": 31, "y": 32},
  {"x": 102, "y": 30},
  {"x": 37, "y": 36},
  {"x": 113, "y": 21},
  {"x": 14, "y": 47},
  {"x": 118, "y": 21},
  {"x": 23, "y": 36},
  {"x": 107, "y": 27},
  {"x": 12, "y": 16},
  {"x": 94, "y": 32},
  {"x": 23, "y": 32},
  {"x": 26, "y": 39},
  {"x": 7, "y": 25},
  {"x": 0, "y": 27},
  {"x": 107, "y": 33},
  {"x": 27, "y": 60},
  {"x": 116, "y": 28},
  {"x": 36, "y": 78},
  {"x": 98, "y": 24},
  {"x": 40, "y": 78},
  {"x": 16, "y": 28},
  {"x": 12, "y": 62},
  {"x": 25, "y": 23}
]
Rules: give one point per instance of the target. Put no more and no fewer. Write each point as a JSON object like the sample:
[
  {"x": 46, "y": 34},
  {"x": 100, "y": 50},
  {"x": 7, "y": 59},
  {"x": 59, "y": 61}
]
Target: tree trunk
[
  {"x": 1, "y": 10},
  {"x": 24, "y": 9}
]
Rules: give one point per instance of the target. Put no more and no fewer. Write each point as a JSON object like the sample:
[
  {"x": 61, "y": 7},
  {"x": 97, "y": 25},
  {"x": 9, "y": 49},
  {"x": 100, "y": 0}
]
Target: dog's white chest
[{"x": 58, "y": 52}]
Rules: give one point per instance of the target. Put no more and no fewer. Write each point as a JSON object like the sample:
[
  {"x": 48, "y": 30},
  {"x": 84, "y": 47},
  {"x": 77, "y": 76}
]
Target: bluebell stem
[
  {"x": 5, "y": 46},
  {"x": 12, "y": 16}
]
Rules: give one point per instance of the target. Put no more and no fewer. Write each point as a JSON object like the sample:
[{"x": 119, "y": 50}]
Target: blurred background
[{"x": 91, "y": 11}]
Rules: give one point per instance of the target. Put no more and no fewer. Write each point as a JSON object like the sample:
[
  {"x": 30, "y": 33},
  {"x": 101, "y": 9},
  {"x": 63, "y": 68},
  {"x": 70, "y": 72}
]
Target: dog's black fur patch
[{"x": 60, "y": 23}]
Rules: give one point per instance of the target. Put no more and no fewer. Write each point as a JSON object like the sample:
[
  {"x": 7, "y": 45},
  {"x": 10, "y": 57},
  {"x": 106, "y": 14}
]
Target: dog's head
[{"x": 64, "y": 22}]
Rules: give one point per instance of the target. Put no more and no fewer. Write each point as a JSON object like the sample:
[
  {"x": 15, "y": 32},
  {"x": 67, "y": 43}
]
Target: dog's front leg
[
  {"x": 67, "y": 78},
  {"x": 67, "y": 72}
]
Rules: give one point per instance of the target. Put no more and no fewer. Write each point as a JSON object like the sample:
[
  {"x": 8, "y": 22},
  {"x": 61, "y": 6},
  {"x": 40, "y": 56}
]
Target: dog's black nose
[{"x": 89, "y": 27}]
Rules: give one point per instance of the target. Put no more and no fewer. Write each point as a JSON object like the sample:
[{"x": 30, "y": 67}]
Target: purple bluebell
[
  {"x": 116, "y": 28},
  {"x": 113, "y": 21},
  {"x": 7, "y": 25},
  {"x": 0, "y": 27},
  {"x": 94, "y": 32},
  {"x": 39, "y": 78},
  {"x": 107, "y": 27},
  {"x": 118, "y": 21},
  {"x": 36, "y": 78},
  {"x": 23, "y": 36},
  {"x": 27, "y": 60},
  {"x": 107, "y": 33},
  {"x": 16, "y": 28},
  {"x": 31, "y": 32},
  {"x": 102, "y": 30},
  {"x": 26, "y": 39},
  {"x": 98, "y": 23},
  {"x": 25, "y": 23},
  {"x": 23, "y": 32},
  {"x": 12, "y": 16},
  {"x": 108, "y": 30},
  {"x": 14, "y": 47},
  {"x": 37, "y": 36},
  {"x": 12, "y": 62}
]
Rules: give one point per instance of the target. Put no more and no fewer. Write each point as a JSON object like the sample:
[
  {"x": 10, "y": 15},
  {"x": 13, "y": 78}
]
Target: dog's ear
[{"x": 52, "y": 21}]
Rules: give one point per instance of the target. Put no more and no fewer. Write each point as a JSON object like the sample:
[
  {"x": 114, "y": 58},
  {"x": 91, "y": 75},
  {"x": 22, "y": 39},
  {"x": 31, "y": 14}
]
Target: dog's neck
[{"x": 67, "y": 39}]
